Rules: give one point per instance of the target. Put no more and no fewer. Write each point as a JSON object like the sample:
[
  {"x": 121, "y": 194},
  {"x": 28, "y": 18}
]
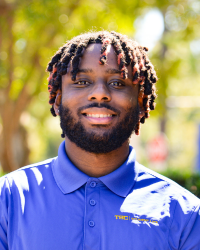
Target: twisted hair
[{"x": 128, "y": 52}]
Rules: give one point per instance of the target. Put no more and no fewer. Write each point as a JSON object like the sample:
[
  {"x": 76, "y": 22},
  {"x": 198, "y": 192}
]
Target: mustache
[{"x": 99, "y": 105}]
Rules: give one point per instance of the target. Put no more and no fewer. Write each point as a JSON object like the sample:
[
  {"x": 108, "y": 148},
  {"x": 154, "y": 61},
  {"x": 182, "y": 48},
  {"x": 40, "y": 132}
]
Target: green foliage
[{"x": 2, "y": 173}]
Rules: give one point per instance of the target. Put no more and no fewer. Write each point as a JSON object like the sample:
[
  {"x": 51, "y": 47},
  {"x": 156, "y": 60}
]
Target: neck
[{"x": 96, "y": 165}]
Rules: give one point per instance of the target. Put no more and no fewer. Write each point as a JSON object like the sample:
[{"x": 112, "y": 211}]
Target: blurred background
[{"x": 32, "y": 31}]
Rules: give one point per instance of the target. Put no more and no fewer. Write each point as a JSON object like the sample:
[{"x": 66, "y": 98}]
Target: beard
[{"x": 92, "y": 142}]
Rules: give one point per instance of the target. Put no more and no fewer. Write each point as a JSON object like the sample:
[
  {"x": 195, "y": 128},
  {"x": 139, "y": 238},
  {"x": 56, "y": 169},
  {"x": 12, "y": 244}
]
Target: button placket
[{"x": 91, "y": 239}]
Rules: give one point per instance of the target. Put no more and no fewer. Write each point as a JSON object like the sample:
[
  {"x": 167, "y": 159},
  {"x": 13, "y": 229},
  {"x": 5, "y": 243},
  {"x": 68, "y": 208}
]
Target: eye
[
  {"x": 116, "y": 84},
  {"x": 82, "y": 83}
]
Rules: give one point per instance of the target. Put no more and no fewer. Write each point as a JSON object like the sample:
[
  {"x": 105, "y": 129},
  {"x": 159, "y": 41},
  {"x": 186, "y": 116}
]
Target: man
[{"x": 94, "y": 195}]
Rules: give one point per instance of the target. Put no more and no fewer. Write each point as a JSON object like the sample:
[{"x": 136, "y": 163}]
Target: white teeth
[{"x": 98, "y": 115}]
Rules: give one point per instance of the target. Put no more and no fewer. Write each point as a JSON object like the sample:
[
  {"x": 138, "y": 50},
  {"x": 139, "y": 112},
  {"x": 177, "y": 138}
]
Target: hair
[{"x": 128, "y": 52}]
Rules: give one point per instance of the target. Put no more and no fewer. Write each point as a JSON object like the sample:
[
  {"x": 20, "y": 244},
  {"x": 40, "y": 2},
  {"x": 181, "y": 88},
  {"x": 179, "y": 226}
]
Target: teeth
[{"x": 98, "y": 115}]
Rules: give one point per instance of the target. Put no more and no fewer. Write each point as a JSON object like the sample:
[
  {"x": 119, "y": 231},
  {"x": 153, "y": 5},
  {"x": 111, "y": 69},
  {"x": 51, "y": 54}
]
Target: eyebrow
[
  {"x": 113, "y": 71},
  {"x": 109, "y": 71},
  {"x": 85, "y": 71}
]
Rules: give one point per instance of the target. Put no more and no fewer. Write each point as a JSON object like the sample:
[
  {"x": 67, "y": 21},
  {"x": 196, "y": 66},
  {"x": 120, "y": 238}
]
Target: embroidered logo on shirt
[{"x": 137, "y": 220}]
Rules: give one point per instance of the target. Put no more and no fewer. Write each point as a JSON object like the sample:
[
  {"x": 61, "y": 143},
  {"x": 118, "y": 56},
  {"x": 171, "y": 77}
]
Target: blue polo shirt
[{"x": 53, "y": 205}]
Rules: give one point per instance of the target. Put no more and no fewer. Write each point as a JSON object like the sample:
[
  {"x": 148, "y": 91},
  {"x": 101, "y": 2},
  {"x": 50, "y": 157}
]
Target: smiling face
[{"x": 100, "y": 109}]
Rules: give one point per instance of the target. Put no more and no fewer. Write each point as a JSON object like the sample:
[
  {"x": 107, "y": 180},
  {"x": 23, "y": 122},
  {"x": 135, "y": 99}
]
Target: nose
[{"x": 99, "y": 92}]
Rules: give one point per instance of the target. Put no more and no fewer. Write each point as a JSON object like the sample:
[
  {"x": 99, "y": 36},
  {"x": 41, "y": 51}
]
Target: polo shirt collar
[
  {"x": 69, "y": 178},
  {"x": 123, "y": 178}
]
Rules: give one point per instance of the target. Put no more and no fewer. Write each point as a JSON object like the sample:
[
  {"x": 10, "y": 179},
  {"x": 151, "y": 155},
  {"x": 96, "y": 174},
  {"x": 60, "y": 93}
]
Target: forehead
[{"x": 93, "y": 52}]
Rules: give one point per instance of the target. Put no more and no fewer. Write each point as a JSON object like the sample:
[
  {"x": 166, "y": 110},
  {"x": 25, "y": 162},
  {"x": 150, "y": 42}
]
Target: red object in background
[{"x": 157, "y": 149}]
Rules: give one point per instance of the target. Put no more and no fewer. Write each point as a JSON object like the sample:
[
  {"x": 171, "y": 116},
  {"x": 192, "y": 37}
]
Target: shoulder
[
  {"x": 171, "y": 205},
  {"x": 24, "y": 176},
  {"x": 151, "y": 180},
  {"x": 158, "y": 197}
]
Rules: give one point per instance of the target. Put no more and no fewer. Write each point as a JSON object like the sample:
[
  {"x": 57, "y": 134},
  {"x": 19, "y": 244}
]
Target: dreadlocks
[{"x": 128, "y": 53}]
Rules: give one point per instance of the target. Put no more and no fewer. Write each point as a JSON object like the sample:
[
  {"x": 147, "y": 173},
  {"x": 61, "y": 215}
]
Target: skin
[{"x": 97, "y": 83}]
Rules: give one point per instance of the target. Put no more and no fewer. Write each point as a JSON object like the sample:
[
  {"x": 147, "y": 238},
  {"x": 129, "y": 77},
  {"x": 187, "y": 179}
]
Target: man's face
[{"x": 99, "y": 110}]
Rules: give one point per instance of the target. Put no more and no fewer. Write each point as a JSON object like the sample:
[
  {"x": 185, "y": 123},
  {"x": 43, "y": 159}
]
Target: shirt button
[
  {"x": 92, "y": 202},
  {"x": 91, "y": 223},
  {"x": 93, "y": 184}
]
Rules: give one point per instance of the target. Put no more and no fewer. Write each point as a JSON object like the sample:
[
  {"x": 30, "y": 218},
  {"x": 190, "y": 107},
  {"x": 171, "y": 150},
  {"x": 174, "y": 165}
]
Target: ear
[
  {"x": 141, "y": 112},
  {"x": 57, "y": 102},
  {"x": 140, "y": 103}
]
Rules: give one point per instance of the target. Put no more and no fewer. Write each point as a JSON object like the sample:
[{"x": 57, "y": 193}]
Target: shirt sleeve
[
  {"x": 184, "y": 233},
  {"x": 4, "y": 189},
  {"x": 191, "y": 235}
]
